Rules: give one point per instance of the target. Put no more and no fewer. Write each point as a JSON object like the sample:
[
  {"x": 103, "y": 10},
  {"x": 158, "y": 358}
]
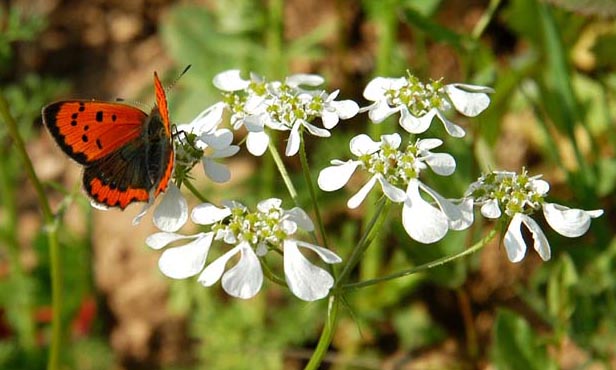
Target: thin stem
[
  {"x": 485, "y": 19},
  {"x": 189, "y": 185},
  {"x": 25, "y": 328},
  {"x": 271, "y": 275},
  {"x": 310, "y": 184},
  {"x": 326, "y": 335},
  {"x": 426, "y": 266},
  {"x": 53, "y": 361},
  {"x": 274, "y": 38},
  {"x": 372, "y": 230},
  {"x": 283, "y": 172}
]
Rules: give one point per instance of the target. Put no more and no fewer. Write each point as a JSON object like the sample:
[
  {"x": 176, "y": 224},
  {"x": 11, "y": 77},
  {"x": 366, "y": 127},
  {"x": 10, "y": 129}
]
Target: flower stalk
[{"x": 53, "y": 361}]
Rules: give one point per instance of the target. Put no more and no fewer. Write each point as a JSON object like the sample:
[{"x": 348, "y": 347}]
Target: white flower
[
  {"x": 253, "y": 234},
  {"x": 395, "y": 169},
  {"x": 290, "y": 106},
  {"x": 419, "y": 103},
  {"x": 202, "y": 140},
  {"x": 517, "y": 196}
]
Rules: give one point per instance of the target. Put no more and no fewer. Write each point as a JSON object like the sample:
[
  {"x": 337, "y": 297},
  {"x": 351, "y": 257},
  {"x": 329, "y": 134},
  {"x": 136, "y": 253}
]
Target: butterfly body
[{"x": 127, "y": 155}]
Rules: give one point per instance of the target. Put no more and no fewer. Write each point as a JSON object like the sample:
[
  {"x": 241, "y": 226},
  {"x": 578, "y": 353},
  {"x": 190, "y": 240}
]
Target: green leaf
[{"x": 517, "y": 346}]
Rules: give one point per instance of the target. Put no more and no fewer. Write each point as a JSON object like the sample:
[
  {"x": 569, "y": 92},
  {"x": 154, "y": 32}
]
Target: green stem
[
  {"x": 273, "y": 39},
  {"x": 485, "y": 19},
  {"x": 189, "y": 185},
  {"x": 326, "y": 335},
  {"x": 310, "y": 184},
  {"x": 426, "y": 266},
  {"x": 53, "y": 362},
  {"x": 371, "y": 232},
  {"x": 25, "y": 328},
  {"x": 271, "y": 275},
  {"x": 283, "y": 172}
]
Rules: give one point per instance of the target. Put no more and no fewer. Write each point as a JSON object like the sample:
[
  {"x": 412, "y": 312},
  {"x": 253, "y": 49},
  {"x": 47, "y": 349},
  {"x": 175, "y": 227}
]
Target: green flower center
[
  {"x": 397, "y": 167},
  {"x": 515, "y": 193},
  {"x": 256, "y": 228},
  {"x": 418, "y": 97}
]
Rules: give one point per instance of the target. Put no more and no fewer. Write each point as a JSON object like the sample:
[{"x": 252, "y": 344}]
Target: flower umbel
[
  {"x": 518, "y": 196},
  {"x": 253, "y": 234},
  {"x": 419, "y": 102},
  {"x": 283, "y": 106},
  {"x": 397, "y": 171}
]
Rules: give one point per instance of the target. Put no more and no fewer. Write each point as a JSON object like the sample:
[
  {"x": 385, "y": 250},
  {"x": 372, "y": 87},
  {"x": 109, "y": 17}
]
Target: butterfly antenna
[{"x": 172, "y": 84}]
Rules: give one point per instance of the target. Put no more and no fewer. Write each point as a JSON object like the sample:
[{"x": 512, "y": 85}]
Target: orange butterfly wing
[
  {"x": 90, "y": 130},
  {"x": 161, "y": 103}
]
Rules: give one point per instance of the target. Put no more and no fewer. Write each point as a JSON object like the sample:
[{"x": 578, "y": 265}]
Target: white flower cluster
[
  {"x": 397, "y": 165},
  {"x": 253, "y": 234},
  {"x": 284, "y": 106},
  {"x": 419, "y": 103},
  {"x": 397, "y": 171},
  {"x": 518, "y": 196}
]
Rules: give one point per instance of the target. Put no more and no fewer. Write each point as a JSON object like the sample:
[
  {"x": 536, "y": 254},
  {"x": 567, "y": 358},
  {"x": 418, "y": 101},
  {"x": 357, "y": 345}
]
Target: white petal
[
  {"x": 299, "y": 79},
  {"x": 541, "y": 244},
  {"x": 207, "y": 214},
  {"x": 137, "y": 219},
  {"x": 162, "y": 239},
  {"x": 363, "y": 144},
  {"x": 316, "y": 131},
  {"x": 288, "y": 227},
  {"x": 254, "y": 123},
  {"x": 567, "y": 221},
  {"x": 335, "y": 177},
  {"x": 396, "y": 195},
  {"x": 490, "y": 209},
  {"x": 514, "y": 242},
  {"x": 359, "y": 197},
  {"x": 187, "y": 260},
  {"x": 206, "y": 120},
  {"x": 422, "y": 221},
  {"x": 219, "y": 139},
  {"x": 391, "y": 140},
  {"x": 244, "y": 280},
  {"x": 266, "y": 205},
  {"x": 217, "y": 172},
  {"x": 469, "y": 100},
  {"x": 214, "y": 270},
  {"x": 227, "y": 152},
  {"x": 429, "y": 144},
  {"x": 172, "y": 212},
  {"x": 230, "y": 81},
  {"x": 451, "y": 128},
  {"x": 300, "y": 217},
  {"x": 305, "y": 280},
  {"x": 460, "y": 216},
  {"x": 441, "y": 163},
  {"x": 330, "y": 119},
  {"x": 415, "y": 125},
  {"x": 257, "y": 142},
  {"x": 466, "y": 215},
  {"x": 325, "y": 254},
  {"x": 345, "y": 109},
  {"x": 380, "y": 110},
  {"x": 540, "y": 186},
  {"x": 376, "y": 88},
  {"x": 294, "y": 141}
]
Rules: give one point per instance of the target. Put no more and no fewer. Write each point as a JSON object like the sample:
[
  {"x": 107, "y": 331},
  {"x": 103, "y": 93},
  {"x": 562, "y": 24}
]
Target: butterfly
[{"x": 127, "y": 155}]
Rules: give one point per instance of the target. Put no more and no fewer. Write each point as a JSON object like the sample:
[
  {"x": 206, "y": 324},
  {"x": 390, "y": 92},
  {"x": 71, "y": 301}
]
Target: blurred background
[{"x": 552, "y": 66}]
